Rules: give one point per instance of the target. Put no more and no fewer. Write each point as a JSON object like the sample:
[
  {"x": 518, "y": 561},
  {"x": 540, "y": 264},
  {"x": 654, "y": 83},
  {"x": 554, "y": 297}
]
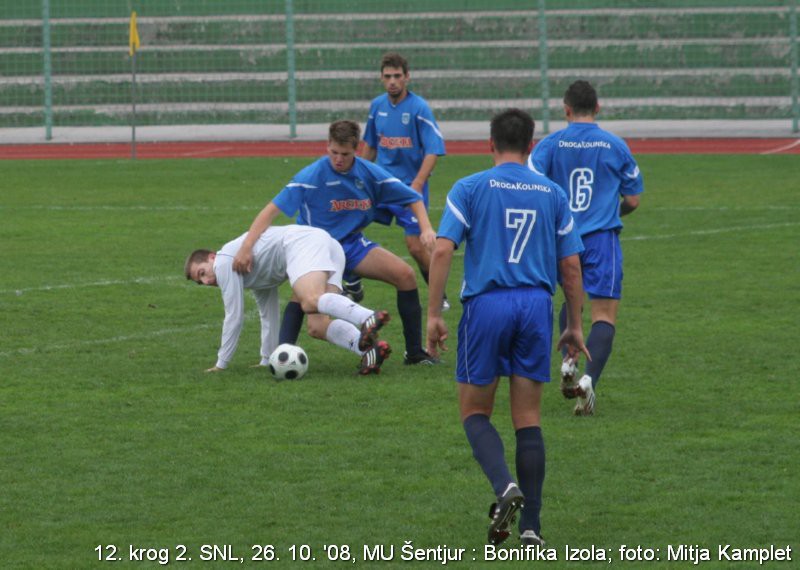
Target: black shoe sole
[{"x": 499, "y": 529}]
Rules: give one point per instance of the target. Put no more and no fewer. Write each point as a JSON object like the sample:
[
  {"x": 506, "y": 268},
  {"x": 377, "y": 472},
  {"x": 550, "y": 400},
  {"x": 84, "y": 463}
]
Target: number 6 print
[{"x": 580, "y": 189}]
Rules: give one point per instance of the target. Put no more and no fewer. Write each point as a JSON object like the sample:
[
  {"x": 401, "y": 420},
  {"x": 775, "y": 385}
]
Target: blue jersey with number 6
[
  {"x": 595, "y": 167},
  {"x": 517, "y": 225}
]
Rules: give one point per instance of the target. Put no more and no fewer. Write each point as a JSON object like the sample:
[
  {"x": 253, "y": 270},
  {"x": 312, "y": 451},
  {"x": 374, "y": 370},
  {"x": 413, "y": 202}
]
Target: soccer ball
[{"x": 288, "y": 362}]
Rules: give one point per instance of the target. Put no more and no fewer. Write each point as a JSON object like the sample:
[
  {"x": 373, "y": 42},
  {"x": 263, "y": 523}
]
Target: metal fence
[{"x": 66, "y": 63}]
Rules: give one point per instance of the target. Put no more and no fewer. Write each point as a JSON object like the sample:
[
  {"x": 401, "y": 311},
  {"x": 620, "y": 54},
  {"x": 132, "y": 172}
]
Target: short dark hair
[
  {"x": 582, "y": 97},
  {"x": 394, "y": 59},
  {"x": 345, "y": 132},
  {"x": 197, "y": 256},
  {"x": 512, "y": 130}
]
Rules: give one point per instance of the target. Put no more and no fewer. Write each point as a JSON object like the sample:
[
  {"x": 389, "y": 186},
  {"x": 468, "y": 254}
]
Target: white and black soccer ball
[{"x": 288, "y": 362}]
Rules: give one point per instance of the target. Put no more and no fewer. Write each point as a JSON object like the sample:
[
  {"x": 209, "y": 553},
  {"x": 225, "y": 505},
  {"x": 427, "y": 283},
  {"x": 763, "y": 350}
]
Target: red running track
[{"x": 316, "y": 148}]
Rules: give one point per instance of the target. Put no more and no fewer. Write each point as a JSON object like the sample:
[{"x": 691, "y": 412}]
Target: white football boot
[{"x": 585, "y": 393}]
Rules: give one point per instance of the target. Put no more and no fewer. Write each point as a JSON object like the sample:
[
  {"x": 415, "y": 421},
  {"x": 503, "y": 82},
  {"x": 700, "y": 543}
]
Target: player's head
[
  {"x": 394, "y": 75},
  {"x": 512, "y": 131},
  {"x": 394, "y": 59},
  {"x": 199, "y": 267},
  {"x": 343, "y": 137},
  {"x": 580, "y": 99}
]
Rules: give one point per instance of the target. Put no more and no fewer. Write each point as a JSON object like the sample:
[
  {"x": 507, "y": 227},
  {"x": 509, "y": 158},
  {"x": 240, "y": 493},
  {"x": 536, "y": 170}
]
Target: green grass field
[{"x": 112, "y": 434}]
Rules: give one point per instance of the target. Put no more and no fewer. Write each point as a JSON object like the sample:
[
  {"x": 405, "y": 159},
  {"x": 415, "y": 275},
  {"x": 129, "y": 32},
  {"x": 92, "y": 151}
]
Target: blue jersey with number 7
[{"x": 516, "y": 224}]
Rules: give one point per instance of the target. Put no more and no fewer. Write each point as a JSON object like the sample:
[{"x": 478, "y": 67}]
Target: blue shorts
[
  {"x": 403, "y": 214},
  {"x": 504, "y": 332},
  {"x": 601, "y": 264},
  {"x": 356, "y": 247}
]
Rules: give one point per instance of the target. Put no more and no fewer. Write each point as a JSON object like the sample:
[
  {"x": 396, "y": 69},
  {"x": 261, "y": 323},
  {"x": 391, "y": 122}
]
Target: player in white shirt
[{"x": 313, "y": 263}]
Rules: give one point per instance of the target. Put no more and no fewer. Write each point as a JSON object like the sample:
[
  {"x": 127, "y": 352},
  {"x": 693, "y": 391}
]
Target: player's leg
[
  {"x": 291, "y": 322},
  {"x": 530, "y": 369},
  {"x": 526, "y": 396},
  {"x": 601, "y": 263},
  {"x": 484, "y": 336},
  {"x": 331, "y": 303},
  {"x": 353, "y": 287},
  {"x": 600, "y": 341},
  {"x": 420, "y": 254},
  {"x": 385, "y": 266}
]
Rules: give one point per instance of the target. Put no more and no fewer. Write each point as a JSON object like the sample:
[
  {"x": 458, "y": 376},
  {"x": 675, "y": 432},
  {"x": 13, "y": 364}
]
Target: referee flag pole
[{"x": 133, "y": 46}]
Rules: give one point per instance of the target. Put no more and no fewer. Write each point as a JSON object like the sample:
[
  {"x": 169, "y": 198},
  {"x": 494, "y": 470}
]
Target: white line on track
[
  {"x": 782, "y": 148},
  {"x": 101, "y": 341}
]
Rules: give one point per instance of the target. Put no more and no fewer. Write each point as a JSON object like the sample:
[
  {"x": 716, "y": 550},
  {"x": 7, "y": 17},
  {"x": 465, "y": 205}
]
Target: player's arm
[
  {"x": 571, "y": 282},
  {"x": 232, "y": 288},
  {"x": 629, "y": 204},
  {"x": 369, "y": 153},
  {"x": 425, "y": 169},
  {"x": 427, "y": 235},
  {"x": 441, "y": 260},
  {"x": 243, "y": 262}
]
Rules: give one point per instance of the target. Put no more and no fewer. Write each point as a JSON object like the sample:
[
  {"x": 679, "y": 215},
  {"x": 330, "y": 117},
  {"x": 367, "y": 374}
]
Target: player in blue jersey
[
  {"x": 519, "y": 235},
  {"x": 340, "y": 193},
  {"x": 603, "y": 180},
  {"x": 402, "y": 136}
]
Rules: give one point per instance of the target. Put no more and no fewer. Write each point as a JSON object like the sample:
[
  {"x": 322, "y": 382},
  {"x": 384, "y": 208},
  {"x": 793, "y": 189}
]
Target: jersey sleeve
[
  {"x": 456, "y": 216},
  {"x": 370, "y": 131},
  {"x": 231, "y": 286},
  {"x": 290, "y": 198},
  {"x": 539, "y": 159},
  {"x": 269, "y": 310},
  {"x": 630, "y": 177},
  {"x": 568, "y": 241},
  {"x": 429, "y": 133}
]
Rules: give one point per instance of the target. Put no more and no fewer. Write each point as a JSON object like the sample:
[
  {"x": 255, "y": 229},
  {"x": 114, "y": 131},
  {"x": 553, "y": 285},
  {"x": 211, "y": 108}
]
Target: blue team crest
[
  {"x": 359, "y": 184},
  {"x": 406, "y": 118}
]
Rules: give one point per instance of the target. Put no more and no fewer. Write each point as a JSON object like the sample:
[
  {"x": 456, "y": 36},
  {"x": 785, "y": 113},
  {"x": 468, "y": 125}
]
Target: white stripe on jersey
[
  {"x": 459, "y": 216},
  {"x": 432, "y": 125},
  {"x": 300, "y": 184},
  {"x": 532, "y": 167},
  {"x": 633, "y": 175},
  {"x": 568, "y": 228},
  {"x": 388, "y": 180}
]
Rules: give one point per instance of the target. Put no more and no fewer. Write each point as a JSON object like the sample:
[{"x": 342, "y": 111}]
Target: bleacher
[{"x": 227, "y": 62}]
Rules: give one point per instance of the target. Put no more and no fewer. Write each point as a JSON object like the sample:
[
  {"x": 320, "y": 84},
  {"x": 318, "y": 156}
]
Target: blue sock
[
  {"x": 599, "y": 343},
  {"x": 488, "y": 450},
  {"x": 530, "y": 474},
  {"x": 291, "y": 324},
  {"x": 411, "y": 314}
]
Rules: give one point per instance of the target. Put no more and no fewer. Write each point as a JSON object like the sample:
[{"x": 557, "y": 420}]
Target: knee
[
  {"x": 317, "y": 329},
  {"x": 310, "y": 304},
  {"x": 406, "y": 278}
]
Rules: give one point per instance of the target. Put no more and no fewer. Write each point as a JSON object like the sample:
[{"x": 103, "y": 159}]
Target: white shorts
[{"x": 312, "y": 249}]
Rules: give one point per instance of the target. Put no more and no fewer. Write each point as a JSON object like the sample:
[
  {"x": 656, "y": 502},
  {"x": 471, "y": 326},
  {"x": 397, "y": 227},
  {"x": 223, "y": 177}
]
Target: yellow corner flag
[{"x": 134, "y": 36}]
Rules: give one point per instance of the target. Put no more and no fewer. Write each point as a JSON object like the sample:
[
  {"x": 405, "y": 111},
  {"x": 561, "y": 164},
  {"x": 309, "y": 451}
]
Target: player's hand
[
  {"x": 572, "y": 339},
  {"x": 215, "y": 369},
  {"x": 243, "y": 262},
  {"x": 417, "y": 185},
  {"x": 428, "y": 239},
  {"x": 437, "y": 335}
]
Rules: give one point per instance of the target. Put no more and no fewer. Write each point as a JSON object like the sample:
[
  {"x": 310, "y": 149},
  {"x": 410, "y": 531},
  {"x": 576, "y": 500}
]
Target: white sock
[
  {"x": 340, "y": 307},
  {"x": 344, "y": 334}
]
